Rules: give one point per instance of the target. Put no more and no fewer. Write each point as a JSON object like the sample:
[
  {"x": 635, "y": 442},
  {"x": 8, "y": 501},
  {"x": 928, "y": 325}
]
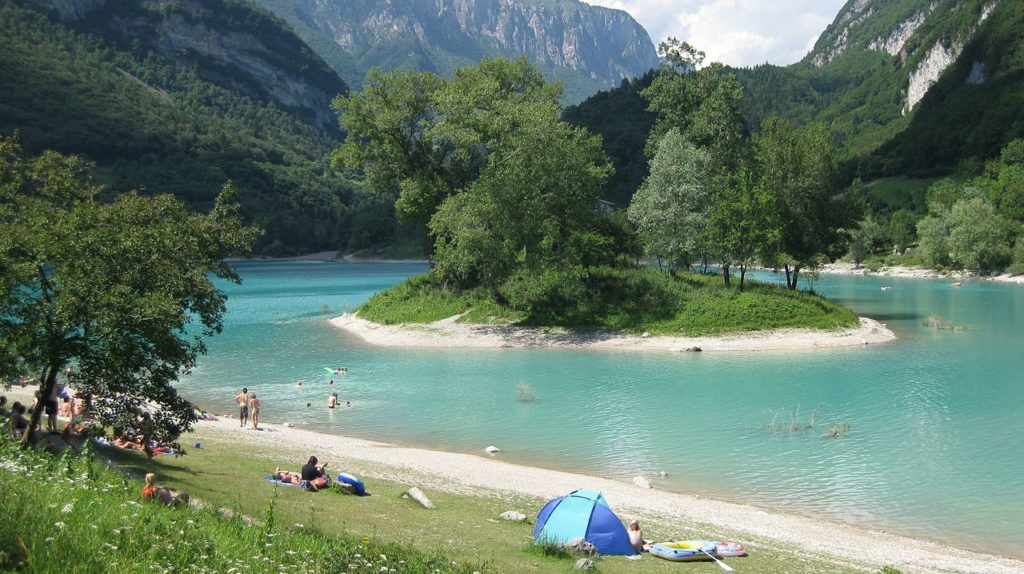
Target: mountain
[
  {"x": 587, "y": 47},
  {"x": 905, "y": 86},
  {"x": 229, "y": 43},
  {"x": 179, "y": 96}
]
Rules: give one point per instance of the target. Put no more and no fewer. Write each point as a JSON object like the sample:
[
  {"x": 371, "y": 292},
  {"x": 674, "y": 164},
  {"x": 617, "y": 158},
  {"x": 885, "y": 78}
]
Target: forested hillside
[
  {"x": 909, "y": 87},
  {"x": 111, "y": 88}
]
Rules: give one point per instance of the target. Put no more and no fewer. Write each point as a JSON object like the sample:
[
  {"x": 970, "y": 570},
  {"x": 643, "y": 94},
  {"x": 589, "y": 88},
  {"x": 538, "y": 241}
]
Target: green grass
[
  {"x": 633, "y": 300},
  {"x": 72, "y": 514},
  {"x": 895, "y": 193},
  {"x": 420, "y": 300},
  {"x": 462, "y": 534}
]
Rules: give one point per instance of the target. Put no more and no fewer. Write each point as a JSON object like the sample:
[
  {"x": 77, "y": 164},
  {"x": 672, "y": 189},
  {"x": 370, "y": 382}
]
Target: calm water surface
[{"x": 937, "y": 418}]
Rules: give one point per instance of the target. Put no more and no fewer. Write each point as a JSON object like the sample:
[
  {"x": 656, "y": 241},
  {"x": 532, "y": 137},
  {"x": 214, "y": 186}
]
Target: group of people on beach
[
  {"x": 249, "y": 404},
  {"x": 16, "y": 418}
]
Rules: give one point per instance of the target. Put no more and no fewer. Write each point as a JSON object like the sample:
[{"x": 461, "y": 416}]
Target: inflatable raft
[
  {"x": 356, "y": 485},
  {"x": 684, "y": 550}
]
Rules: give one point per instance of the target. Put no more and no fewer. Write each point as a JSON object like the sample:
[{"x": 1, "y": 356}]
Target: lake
[{"x": 935, "y": 420}]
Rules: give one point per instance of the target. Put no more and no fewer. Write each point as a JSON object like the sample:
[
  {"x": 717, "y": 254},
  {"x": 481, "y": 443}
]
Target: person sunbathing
[
  {"x": 122, "y": 442},
  {"x": 287, "y": 476}
]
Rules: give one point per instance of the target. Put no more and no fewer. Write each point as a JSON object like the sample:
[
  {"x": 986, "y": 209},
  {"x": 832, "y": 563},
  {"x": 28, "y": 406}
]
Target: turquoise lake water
[{"x": 935, "y": 447}]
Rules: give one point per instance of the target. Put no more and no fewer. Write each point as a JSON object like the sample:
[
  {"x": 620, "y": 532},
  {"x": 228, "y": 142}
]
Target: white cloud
[{"x": 736, "y": 32}]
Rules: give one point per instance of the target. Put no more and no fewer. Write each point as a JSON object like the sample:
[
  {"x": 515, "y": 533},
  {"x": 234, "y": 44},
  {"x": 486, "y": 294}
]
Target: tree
[
  {"x": 933, "y": 235},
  {"x": 863, "y": 239},
  {"x": 704, "y": 104},
  {"x": 798, "y": 168},
  {"x": 745, "y": 224},
  {"x": 121, "y": 290},
  {"x": 671, "y": 207},
  {"x": 484, "y": 160},
  {"x": 902, "y": 231},
  {"x": 978, "y": 237}
]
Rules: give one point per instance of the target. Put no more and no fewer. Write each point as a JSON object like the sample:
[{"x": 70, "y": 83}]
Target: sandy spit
[
  {"x": 841, "y": 268},
  {"x": 469, "y": 474},
  {"x": 449, "y": 333}
]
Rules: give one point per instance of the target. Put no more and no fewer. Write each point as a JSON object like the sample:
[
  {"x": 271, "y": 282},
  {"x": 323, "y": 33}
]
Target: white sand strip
[
  {"x": 481, "y": 475},
  {"x": 449, "y": 333},
  {"x": 899, "y": 271}
]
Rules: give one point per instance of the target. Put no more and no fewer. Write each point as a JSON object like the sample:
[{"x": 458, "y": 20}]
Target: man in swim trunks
[{"x": 243, "y": 406}]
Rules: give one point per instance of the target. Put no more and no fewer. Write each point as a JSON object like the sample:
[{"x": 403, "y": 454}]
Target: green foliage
[
  {"x": 621, "y": 117},
  {"x": 150, "y": 122},
  {"x": 634, "y": 300},
  {"x": 112, "y": 287},
  {"x": 97, "y": 519},
  {"x": 798, "y": 169},
  {"x": 977, "y": 224},
  {"x": 422, "y": 299},
  {"x": 865, "y": 239},
  {"x": 902, "y": 229},
  {"x": 670, "y": 210},
  {"x": 483, "y": 159}
]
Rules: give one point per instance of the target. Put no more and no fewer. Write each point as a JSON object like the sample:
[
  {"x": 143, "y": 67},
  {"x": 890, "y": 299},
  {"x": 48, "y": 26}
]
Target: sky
[{"x": 736, "y": 32}]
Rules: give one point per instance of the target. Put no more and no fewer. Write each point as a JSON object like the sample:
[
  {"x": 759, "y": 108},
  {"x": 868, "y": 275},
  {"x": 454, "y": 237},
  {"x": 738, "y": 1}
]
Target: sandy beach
[
  {"x": 449, "y": 333},
  {"x": 469, "y": 474},
  {"x": 482, "y": 475}
]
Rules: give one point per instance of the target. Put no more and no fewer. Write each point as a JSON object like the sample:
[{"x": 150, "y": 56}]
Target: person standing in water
[
  {"x": 254, "y": 411},
  {"x": 332, "y": 401},
  {"x": 243, "y": 406}
]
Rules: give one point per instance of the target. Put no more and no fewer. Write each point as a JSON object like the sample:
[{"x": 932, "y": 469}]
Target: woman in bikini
[
  {"x": 254, "y": 411},
  {"x": 287, "y": 476}
]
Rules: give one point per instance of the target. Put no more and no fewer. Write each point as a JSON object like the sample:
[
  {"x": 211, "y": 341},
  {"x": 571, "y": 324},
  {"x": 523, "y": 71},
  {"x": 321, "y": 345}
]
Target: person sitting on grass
[
  {"x": 636, "y": 537},
  {"x": 18, "y": 422},
  {"x": 313, "y": 474},
  {"x": 164, "y": 495}
]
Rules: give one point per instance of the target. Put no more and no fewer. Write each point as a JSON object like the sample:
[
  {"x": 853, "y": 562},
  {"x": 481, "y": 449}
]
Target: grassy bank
[
  {"x": 107, "y": 529},
  {"x": 73, "y": 514},
  {"x": 632, "y": 300}
]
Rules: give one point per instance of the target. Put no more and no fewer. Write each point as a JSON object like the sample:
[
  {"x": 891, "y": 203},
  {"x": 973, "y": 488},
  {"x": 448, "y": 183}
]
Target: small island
[
  {"x": 524, "y": 252},
  {"x": 643, "y": 309}
]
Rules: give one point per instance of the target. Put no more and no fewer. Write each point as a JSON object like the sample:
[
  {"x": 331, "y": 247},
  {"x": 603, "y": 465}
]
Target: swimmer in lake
[{"x": 332, "y": 401}]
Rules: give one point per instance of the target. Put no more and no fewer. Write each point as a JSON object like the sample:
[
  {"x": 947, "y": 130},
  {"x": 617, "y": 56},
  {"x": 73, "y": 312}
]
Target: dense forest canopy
[{"x": 158, "y": 125}]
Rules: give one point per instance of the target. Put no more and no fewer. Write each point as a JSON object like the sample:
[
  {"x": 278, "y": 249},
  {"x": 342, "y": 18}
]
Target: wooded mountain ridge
[{"x": 906, "y": 88}]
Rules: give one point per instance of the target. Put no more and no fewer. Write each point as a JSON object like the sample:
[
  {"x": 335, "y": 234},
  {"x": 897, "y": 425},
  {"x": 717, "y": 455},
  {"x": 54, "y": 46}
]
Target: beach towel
[{"x": 304, "y": 484}]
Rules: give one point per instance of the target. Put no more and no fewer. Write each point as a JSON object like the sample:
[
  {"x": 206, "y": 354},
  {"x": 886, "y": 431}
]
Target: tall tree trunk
[
  {"x": 743, "y": 273},
  {"x": 788, "y": 285},
  {"x": 725, "y": 274},
  {"x": 46, "y": 384}
]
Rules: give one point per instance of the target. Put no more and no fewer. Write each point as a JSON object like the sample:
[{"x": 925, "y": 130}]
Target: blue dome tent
[{"x": 582, "y": 514}]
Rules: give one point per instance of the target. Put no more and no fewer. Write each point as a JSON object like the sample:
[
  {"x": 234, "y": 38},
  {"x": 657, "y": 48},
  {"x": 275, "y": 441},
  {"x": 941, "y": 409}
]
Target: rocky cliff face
[
  {"x": 228, "y": 43},
  {"x": 924, "y": 40},
  {"x": 588, "y": 47}
]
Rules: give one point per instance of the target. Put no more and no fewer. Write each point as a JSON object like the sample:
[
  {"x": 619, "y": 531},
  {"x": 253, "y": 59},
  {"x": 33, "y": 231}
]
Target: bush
[{"x": 549, "y": 296}]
